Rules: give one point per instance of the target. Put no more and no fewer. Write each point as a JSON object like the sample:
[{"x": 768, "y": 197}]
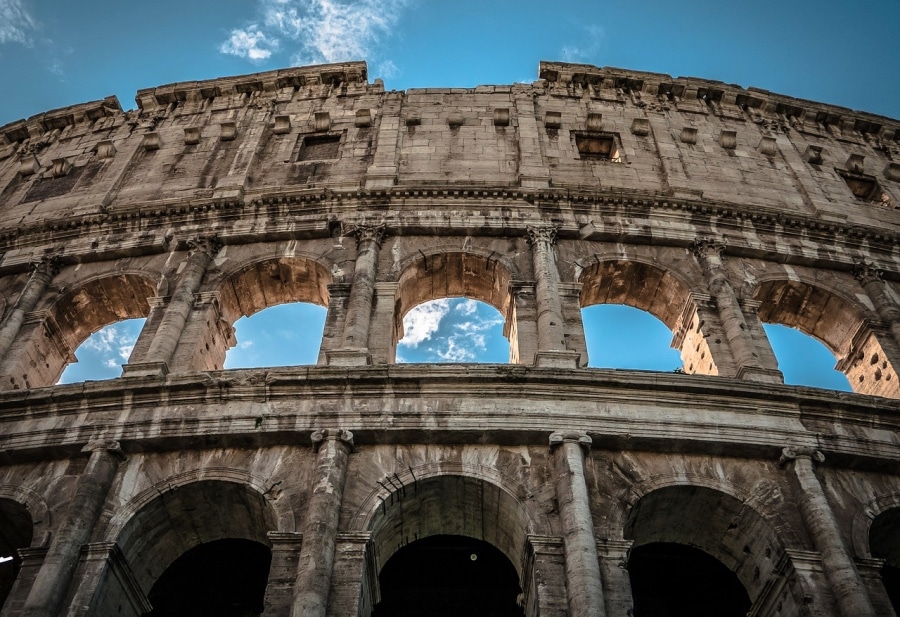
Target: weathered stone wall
[{"x": 713, "y": 207}]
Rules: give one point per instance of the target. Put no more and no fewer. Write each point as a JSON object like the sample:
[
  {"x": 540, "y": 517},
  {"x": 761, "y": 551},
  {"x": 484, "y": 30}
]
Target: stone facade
[{"x": 713, "y": 207}]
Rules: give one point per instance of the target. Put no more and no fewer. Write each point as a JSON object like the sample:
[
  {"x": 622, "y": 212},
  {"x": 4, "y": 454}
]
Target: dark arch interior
[
  {"x": 226, "y": 578},
  {"x": 884, "y": 540},
  {"x": 444, "y": 576},
  {"x": 675, "y": 580},
  {"x": 15, "y": 533}
]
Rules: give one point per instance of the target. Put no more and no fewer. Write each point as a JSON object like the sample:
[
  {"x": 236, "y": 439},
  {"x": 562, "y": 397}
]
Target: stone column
[
  {"x": 42, "y": 273},
  {"x": 165, "y": 339},
  {"x": 354, "y": 349},
  {"x": 521, "y": 324},
  {"x": 320, "y": 528},
  {"x": 749, "y": 367},
  {"x": 544, "y": 584},
  {"x": 616, "y": 579},
  {"x": 583, "y": 583},
  {"x": 846, "y": 585},
  {"x": 551, "y": 327},
  {"x": 333, "y": 333},
  {"x": 52, "y": 581},
  {"x": 280, "y": 592},
  {"x": 871, "y": 279}
]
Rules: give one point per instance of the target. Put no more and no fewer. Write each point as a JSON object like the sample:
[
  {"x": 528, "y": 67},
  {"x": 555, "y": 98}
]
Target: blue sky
[{"x": 55, "y": 53}]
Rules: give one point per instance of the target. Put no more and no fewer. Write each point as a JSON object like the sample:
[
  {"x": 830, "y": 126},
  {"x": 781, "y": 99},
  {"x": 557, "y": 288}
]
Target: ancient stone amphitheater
[{"x": 361, "y": 487}]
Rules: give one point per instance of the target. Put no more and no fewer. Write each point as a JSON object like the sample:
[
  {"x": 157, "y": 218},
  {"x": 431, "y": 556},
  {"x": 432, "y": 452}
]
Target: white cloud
[
  {"x": 467, "y": 306},
  {"x": 249, "y": 43},
  {"x": 586, "y": 49},
  {"x": 318, "y": 30},
  {"x": 16, "y": 23},
  {"x": 423, "y": 321},
  {"x": 113, "y": 344}
]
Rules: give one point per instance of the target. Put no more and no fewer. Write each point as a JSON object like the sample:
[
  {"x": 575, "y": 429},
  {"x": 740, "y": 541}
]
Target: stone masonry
[{"x": 713, "y": 207}]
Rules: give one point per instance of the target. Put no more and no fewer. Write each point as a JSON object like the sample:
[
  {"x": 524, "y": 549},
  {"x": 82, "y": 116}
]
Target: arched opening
[
  {"x": 884, "y": 542},
  {"x": 277, "y": 308},
  {"x": 283, "y": 335},
  {"x": 839, "y": 325},
  {"x": 620, "y": 336},
  {"x": 446, "y": 576},
  {"x": 652, "y": 290},
  {"x": 453, "y": 330},
  {"x": 166, "y": 529},
  {"x": 42, "y": 355},
  {"x": 103, "y": 353},
  {"x": 16, "y": 529},
  {"x": 676, "y": 580},
  {"x": 454, "y": 280},
  {"x": 226, "y": 578},
  {"x": 803, "y": 360},
  {"x": 675, "y": 522}
]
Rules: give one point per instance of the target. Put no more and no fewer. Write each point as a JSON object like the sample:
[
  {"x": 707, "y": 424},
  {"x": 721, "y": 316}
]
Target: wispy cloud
[
  {"x": 587, "y": 47},
  {"x": 113, "y": 344},
  {"x": 16, "y": 22},
  {"x": 317, "y": 31},
  {"x": 423, "y": 321}
]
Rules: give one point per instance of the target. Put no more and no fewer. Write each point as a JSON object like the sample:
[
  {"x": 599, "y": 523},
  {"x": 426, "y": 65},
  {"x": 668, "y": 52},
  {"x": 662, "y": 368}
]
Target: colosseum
[{"x": 554, "y": 489}]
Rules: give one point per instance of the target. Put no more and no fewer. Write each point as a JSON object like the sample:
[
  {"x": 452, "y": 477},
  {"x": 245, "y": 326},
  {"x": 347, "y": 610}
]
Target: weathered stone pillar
[
  {"x": 543, "y": 584},
  {"x": 352, "y": 588},
  {"x": 280, "y": 592},
  {"x": 167, "y": 335},
  {"x": 333, "y": 333},
  {"x": 846, "y": 585},
  {"x": 551, "y": 327},
  {"x": 570, "y": 299},
  {"x": 320, "y": 528},
  {"x": 354, "y": 349},
  {"x": 42, "y": 273},
  {"x": 52, "y": 581},
  {"x": 521, "y": 324},
  {"x": 616, "y": 580},
  {"x": 746, "y": 359},
  {"x": 871, "y": 279},
  {"x": 105, "y": 584},
  {"x": 382, "y": 173},
  {"x": 583, "y": 583}
]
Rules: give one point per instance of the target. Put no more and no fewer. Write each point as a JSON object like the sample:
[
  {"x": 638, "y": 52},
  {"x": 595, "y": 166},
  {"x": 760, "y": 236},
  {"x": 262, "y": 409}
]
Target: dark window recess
[
  {"x": 319, "y": 148},
  {"x": 592, "y": 147},
  {"x": 865, "y": 188}
]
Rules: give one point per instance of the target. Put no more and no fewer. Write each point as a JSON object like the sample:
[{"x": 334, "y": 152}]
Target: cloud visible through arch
[
  {"x": 452, "y": 330},
  {"x": 317, "y": 31}
]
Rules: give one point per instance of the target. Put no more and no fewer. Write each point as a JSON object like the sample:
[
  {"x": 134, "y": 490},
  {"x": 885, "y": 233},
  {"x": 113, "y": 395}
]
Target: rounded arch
[
  {"x": 37, "y": 510},
  {"x": 732, "y": 531},
  {"x": 863, "y": 519},
  {"x": 184, "y": 515},
  {"x": 437, "y": 500},
  {"x": 71, "y": 317},
  {"x": 16, "y": 532}
]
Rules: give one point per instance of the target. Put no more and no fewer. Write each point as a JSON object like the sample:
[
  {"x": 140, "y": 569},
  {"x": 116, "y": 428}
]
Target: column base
[
  {"x": 557, "y": 359},
  {"x": 145, "y": 369},
  {"x": 760, "y": 375},
  {"x": 348, "y": 357}
]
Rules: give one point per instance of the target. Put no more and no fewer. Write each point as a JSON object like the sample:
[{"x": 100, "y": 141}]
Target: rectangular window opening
[
  {"x": 319, "y": 148},
  {"x": 865, "y": 188},
  {"x": 597, "y": 147}
]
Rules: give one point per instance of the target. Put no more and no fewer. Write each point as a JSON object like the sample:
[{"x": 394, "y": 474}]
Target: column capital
[
  {"x": 579, "y": 437},
  {"x": 210, "y": 245},
  {"x": 866, "y": 272},
  {"x": 108, "y": 445},
  {"x": 322, "y": 435},
  {"x": 49, "y": 265},
  {"x": 792, "y": 453},
  {"x": 366, "y": 233},
  {"x": 703, "y": 248},
  {"x": 542, "y": 233}
]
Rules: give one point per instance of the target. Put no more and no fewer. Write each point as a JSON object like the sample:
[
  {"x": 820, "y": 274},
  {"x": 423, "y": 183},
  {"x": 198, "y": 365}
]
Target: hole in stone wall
[
  {"x": 453, "y": 330},
  {"x": 803, "y": 360},
  {"x": 226, "y": 578},
  {"x": 597, "y": 147},
  {"x": 621, "y": 336},
  {"x": 15, "y": 533},
  {"x": 319, "y": 148},
  {"x": 438, "y": 576},
  {"x": 675, "y": 580},
  {"x": 283, "y": 335},
  {"x": 103, "y": 353},
  {"x": 865, "y": 188}
]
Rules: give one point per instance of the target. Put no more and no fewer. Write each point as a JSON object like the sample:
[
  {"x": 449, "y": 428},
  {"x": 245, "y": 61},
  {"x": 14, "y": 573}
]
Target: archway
[
  {"x": 282, "y": 335},
  {"x": 448, "y": 575},
  {"x": 16, "y": 528},
  {"x": 884, "y": 542},
  {"x": 840, "y": 325},
  {"x": 743, "y": 545},
  {"x": 290, "y": 283},
  {"x": 103, "y": 353},
  {"x": 222, "y": 520},
  {"x": 71, "y": 319},
  {"x": 453, "y": 330},
  {"x": 455, "y": 275},
  {"x": 621, "y": 336},
  {"x": 804, "y": 360},
  {"x": 658, "y": 292}
]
